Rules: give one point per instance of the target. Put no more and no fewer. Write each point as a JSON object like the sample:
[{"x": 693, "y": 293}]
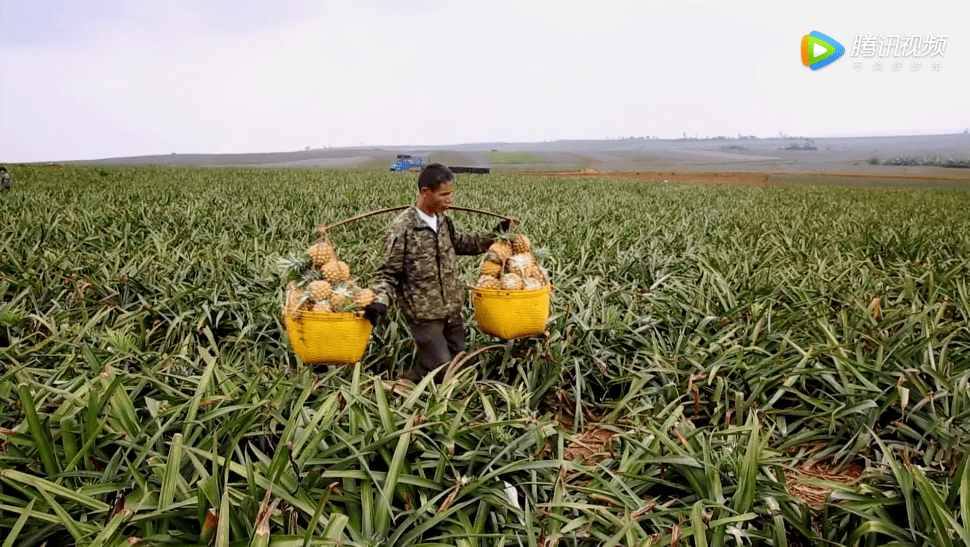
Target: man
[
  {"x": 4, "y": 179},
  {"x": 420, "y": 269}
]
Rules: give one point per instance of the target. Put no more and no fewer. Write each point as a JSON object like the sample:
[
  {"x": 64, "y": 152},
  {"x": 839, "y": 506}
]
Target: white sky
[{"x": 106, "y": 78}]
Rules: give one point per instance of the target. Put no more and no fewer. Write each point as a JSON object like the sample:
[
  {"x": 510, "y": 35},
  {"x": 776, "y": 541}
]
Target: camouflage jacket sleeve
[
  {"x": 469, "y": 244},
  {"x": 387, "y": 278}
]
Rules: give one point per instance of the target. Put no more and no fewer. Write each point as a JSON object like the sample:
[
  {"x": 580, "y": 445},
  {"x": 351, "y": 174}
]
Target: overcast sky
[{"x": 106, "y": 78}]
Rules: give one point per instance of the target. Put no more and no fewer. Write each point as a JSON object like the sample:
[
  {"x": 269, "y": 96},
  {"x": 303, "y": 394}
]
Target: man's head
[
  {"x": 3, "y": 169},
  {"x": 436, "y": 189}
]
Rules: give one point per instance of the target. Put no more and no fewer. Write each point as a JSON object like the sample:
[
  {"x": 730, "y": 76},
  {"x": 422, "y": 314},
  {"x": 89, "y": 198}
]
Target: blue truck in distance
[{"x": 408, "y": 163}]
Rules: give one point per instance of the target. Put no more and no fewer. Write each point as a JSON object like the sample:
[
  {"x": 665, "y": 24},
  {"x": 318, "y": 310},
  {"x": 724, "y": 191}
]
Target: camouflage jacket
[{"x": 420, "y": 266}]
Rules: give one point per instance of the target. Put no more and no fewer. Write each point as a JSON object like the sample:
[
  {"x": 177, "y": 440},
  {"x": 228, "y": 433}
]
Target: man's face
[{"x": 441, "y": 198}]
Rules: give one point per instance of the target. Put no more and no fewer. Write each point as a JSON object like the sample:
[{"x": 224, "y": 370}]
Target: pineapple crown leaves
[
  {"x": 507, "y": 237},
  {"x": 294, "y": 268},
  {"x": 347, "y": 306},
  {"x": 542, "y": 252}
]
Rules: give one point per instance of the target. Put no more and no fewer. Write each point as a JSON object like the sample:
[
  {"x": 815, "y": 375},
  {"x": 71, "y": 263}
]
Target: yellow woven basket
[
  {"x": 511, "y": 314},
  {"x": 318, "y": 337}
]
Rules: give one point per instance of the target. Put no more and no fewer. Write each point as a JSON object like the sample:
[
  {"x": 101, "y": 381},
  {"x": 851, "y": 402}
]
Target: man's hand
[
  {"x": 505, "y": 225},
  {"x": 374, "y": 312}
]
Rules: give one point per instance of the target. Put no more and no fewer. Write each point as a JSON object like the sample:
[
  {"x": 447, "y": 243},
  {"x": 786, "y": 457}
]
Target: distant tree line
[{"x": 932, "y": 161}]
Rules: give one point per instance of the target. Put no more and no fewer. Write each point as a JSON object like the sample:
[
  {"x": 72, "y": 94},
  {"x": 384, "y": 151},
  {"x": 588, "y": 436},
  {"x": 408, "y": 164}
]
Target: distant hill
[{"x": 774, "y": 154}]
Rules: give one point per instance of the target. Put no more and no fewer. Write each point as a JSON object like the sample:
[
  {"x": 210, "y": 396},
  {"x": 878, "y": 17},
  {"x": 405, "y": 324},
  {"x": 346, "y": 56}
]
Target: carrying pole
[{"x": 324, "y": 229}]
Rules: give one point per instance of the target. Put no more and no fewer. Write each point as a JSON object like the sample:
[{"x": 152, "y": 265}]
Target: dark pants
[{"x": 437, "y": 341}]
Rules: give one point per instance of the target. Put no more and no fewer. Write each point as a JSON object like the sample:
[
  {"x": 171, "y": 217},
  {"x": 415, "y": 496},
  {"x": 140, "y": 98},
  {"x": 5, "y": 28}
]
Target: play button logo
[{"x": 819, "y": 50}]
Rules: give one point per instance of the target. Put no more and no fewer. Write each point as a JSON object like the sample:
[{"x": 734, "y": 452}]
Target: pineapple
[
  {"x": 520, "y": 244},
  {"x": 532, "y": 270},
  {"x": 293, "y": 296},
  {"x": 543, "y": 274},
  {"x": 488, "y": 282},
  {"x": 364, "y": 298},
  {"x": 511, "y": 281},
  {"x": 517, "y": 264},
  {"x": 320, "y": 289},
  {"x": 341, "y": 294},
  {"x": 532, "y": 284},
  {"x": 297, "y": 300},
  {"x": 322, "y": 307},
  {"x": 499, "y": 252},
  {"x": 336, "y": 271},
  {"x": 321, "y": 253},
  {"x": 491, "y": 269}
]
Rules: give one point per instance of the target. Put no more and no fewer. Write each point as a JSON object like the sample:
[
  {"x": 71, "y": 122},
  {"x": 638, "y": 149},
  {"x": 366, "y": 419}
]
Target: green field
[
  {"x": 507, "y": 158},
  {"x": 708, "y": 345}
]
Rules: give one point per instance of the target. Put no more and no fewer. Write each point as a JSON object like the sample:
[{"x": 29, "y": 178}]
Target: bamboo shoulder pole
[{"x": 324, "y": 229}]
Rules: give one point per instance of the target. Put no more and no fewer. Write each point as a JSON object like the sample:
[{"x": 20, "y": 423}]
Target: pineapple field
[{"x": 724, "y": 365}]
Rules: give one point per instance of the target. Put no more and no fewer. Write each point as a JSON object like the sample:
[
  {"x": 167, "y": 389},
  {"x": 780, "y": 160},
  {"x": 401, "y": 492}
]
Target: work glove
[
  {"x": 504, "y": 225},
  {"x": 374, "y": 312}
]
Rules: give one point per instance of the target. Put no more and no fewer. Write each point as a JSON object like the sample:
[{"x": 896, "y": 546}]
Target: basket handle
[{"x": 324, "y": 229}]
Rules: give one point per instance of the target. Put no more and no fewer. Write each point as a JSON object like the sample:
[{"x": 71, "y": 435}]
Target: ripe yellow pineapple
[
  {"x": 364, "y": 297},
  {"x": 322, "y": 307},
  {"x": 532, "y": 284},
  {"x": 293, "y": 296},
  {"x": 488, "y": 282},
  {"x": 521, "y": 244},
  {"x": 511, "y": 281},
  {"x": 532, "y": 271},
  {"x": 336, "y": 299},
  {"x": 499, "y": 251},
  {"x": 321, "y": 253},
  {"x": 336, "y": 271},
  {"x": 320, "y": 289},
  {"x": 491, "y": 269},
  {"x": 517, "y": 264}
]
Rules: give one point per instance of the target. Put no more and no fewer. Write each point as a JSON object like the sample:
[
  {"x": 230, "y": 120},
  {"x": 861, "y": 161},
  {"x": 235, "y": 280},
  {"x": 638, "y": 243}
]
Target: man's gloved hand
[
  {"x": 374, "y": 312},
  {"x": 505, "y": 225}
]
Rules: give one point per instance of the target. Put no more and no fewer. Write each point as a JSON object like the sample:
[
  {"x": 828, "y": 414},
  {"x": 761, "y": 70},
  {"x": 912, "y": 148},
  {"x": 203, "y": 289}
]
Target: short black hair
[
  {"x": 433, "y": 175},
  {"x": 2, "y": 168}
]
